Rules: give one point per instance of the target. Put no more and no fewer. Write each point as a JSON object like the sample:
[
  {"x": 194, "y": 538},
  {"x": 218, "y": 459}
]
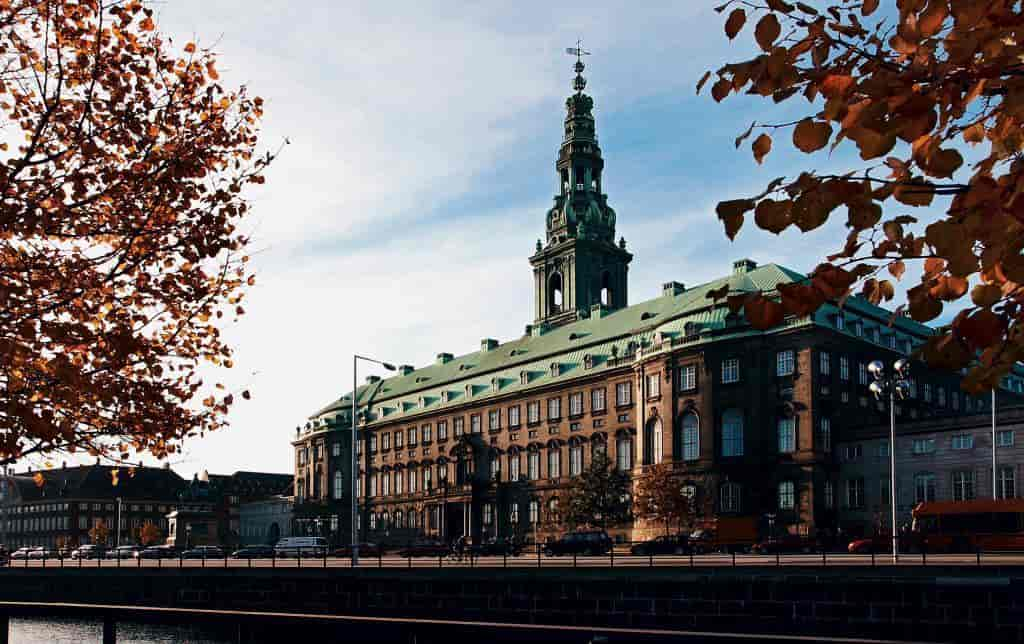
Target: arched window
[
  {"x": 691, "y": 437},
  {"x": 554, "y": 462},
  {"x": 555, "y": 293},
  {"x": 606, "y": 289},
  {"x": 653, "y": 442},
  {"x": 732, "y": 432},
  {"x": 339, "y": 483}
]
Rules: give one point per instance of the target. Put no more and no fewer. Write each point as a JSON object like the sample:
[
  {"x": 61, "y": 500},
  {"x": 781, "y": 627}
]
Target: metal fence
[{"x": 532, "y": 556}]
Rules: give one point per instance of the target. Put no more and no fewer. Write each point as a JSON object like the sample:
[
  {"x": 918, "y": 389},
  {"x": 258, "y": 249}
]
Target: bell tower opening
[
  {"x": 580, "y": 264},
  {"x": 555, "y": 293}
]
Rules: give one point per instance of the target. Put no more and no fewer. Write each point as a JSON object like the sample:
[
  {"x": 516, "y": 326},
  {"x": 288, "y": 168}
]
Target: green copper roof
[{"x": 561, "y": 353}]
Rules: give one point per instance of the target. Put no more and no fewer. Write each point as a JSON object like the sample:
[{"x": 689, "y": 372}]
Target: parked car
[
  {"x": 425, "y": 548},
  {"x": 498, "y": 547},
  {"x": 23, "y": 553},
  {"x": 786, "y": 544},
  {"x": 666, "y": 544},
  {"x": 89, "y": 551},
  {"x": 158, "y": 552},
  {"x": 366, "y": 549},
  {"x": 253, "y": 552},
  {"x": 124, "y": 552},
  {"x": 585, "y": 542},
  {"x": 301, "y": 546},
  {"x": 44, "y": 553},
  {"x": 203, "y": 552}
]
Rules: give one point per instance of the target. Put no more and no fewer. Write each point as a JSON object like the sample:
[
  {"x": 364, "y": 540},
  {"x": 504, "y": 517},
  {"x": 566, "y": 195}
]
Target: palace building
[{"x": 484, "y": 443}]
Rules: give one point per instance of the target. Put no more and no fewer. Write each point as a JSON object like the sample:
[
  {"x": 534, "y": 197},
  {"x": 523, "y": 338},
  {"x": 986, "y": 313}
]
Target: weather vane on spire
[{"x": 578, "y": 83}]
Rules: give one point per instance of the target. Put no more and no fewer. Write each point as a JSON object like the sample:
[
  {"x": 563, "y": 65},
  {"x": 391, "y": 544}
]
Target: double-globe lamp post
[
  {"x": 355, "y": 464},
  {"x": 896, "y": 386}
]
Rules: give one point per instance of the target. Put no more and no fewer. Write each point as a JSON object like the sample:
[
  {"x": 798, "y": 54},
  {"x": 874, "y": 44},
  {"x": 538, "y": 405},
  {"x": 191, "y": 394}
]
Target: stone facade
[
  {"x": 266, "y": 521},
  {"x": 942, "y": 459}
]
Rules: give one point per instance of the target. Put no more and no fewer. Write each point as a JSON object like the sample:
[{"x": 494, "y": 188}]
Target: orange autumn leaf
[
  {"x": 761, "y": 146},
  {"x": 810, "y": 135}
]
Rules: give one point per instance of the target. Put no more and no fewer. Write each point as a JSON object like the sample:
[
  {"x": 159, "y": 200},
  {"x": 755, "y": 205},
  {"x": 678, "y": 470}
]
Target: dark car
[
  {"x": 254, "y": 552},
  {"x": 89, "y": 551},
  {"x": 366, "y": 549},
  {"x": 589, "y": 542},
  {"x": 124, "y": 552},
  {"x": 425, "y": 548},
  {"x": 158, "y": 552},
  {"x": 498, "y": 548},
  {"x": 666, "y": 544},
  {"x": 203, "y": 552},
  {"x": 788, "y": 544}
]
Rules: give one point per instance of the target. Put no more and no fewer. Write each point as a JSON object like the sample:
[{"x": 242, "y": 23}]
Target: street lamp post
[
  {"x": 896, "y": 386},
  {"x": 995, "y": 494},
  {"x": 355, "y": 464}
]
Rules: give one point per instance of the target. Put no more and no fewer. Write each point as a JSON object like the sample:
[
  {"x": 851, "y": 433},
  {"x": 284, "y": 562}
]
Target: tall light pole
[
  {"x": 355, "y": 464},
  {"x": 897, "y": 386},
  {"x": 994, "y": 488}
]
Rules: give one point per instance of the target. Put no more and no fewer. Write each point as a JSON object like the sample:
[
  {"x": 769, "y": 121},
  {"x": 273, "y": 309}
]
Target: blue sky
[{"x": 423, "y": 135}]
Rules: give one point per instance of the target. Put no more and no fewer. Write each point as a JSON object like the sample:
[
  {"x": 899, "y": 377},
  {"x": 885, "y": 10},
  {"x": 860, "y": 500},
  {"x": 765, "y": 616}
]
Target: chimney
[
  {"x": 405, "y": 369},
  {"x": 443, "y": 358},
  {"x": 741, "y": 266},
  {"x": 488, "y": 344},
  {"x": 673, "y": 288}
]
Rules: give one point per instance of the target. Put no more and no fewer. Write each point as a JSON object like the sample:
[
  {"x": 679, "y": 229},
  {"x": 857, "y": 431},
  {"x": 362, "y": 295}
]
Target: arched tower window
[
  {"x": 606, "y": 289},
  {"x": 555, "y": 293},
  {"x": 691, "y": 437}
]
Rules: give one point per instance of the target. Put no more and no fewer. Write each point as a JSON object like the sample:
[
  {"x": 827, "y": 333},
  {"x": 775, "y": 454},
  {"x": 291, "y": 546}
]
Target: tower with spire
[{"x": 579, "y": 266}]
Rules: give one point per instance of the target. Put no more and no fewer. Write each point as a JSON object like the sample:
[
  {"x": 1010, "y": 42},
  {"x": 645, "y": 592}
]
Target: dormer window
[
  {"x": 495, "y": 385},
  {"x": 555, "y": 370},
  {"x": 469, "y": 391},
  {"x": 524, "y": 378},
  {"x": 444, "y": 396},
  {"x": 588, "y": 361}
]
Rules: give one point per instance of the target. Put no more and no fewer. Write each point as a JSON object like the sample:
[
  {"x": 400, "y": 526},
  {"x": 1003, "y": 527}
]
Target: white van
[{"x": 306, "y": 546}]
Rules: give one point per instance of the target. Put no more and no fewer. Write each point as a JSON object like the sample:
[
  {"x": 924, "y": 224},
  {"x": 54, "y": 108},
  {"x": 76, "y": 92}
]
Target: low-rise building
[
  {"x": 62, "y": 507},
  {"x": 265, "y": 521},
  {"x": 938, "y": 459}
]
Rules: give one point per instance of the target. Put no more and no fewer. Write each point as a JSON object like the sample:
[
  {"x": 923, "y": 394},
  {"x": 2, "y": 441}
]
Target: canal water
[{"x": 76, "y": 631}]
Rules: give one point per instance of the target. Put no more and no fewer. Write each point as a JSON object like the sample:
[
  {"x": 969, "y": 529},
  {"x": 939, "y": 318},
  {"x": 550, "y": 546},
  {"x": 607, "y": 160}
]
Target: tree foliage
[
  {"x": 122, "y": 169},
  {"x": 99, "y": 533},
  {"x": 914, "y": 87},
  {"x": 659, "y": 498},
  {"x": 598, "y": 497},
  {"x": 150, "y": 534}
]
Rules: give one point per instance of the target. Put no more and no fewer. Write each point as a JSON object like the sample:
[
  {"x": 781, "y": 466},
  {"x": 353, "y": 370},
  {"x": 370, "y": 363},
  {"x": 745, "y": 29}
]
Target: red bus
[{"x": 966, "y": 526}]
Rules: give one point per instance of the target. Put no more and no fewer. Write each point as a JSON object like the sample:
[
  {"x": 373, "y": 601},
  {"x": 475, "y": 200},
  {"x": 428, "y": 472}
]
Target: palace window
[
  {"x": 624, "y": 453},
  {"x": 474, "y": 423},
  {"x": 830, "y": 495},
  {"x": 623, "y": 394},
  {"x": 494, "y": 419},
  {"x": 533, "y": 465},
  {"x": 385, "y": 441},
  {"x": 533, "y": 412},
  {"x": 339, "y": 485},
  {"x": 730, "y": 370},
  {"x": 534, "y": 511},
  {"x": 597, "y": 399},
  {"x": 855, "y": 493},
  {"x": 513, "y": 465},
  {"x": 940, "y": 393},
  {"x": 825, "y": 434},
  {"x": 687, "y": 378},
  {"x": 824, "y": 363},
  {"x": 399, "y": 439},
  {"x": 653, "y": 381},
  {"x": 411, "y": 437},
  {"x": 335, "y": 449},
  {"x": 554, "y": 463},
  {"x": 1007, "y": 482},
  {"x": 923, "y": 446},
  {"x": 458, "y": 425},
  {"x": 495, "y": 466},
  {"x": 927, "y": 392},
  {"x": 729, "y": 495},
  {"x": 962, "y": 441},
  {"x": 513, "y": 416},
  {"x": 786, "y": 495},
  {"x": 442, "y": 430},
  {"x": 575, "y": 459},
  {"x": 576, "y": 404},
  {"x": 554, "y": 408},
  {"x": 844, "y": 368},
  {"x": 787, "y": 435},
  {"x": 426, "y": 434},
  {"x": 732, "y": 433},
  {"x": 784, "y": 363},
  {"x": 963, "y": 485},
  {"x": 1004, "y": 438},
  {"x": 924, "y": 487},
  {"x": 691, "y": 437}
]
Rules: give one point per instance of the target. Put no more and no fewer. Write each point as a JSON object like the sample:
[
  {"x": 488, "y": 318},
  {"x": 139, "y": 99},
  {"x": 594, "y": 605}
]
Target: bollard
[
  {"x": 650, "y": 560},
  {"x": 872, "y": 557},
  {"x": 380, "y": 557},
  {"x": 733, "y": 558},
  {"x": 273, "y": 558},
  {"x": 408, "y": 559},
  {"x": 574, "y": 560},
  {"x": 538, "y": 555},
  {"x": 823, "y": 560},
  {"x": 979, "y": 556},
  {"x": 611, "y": 555},
  {"x": 225, "y": 558},
  {"x": 325, "y": 557},
  {"x": 504, "y": 559},
  {"x": 138, "y": 559},
  {"x": 691, "y": 558},
  {"x": 298, "y": 557},
  {"x": 924, "y": 556},
  {"x": 180, "y": 562},
  {"x": 777, "y": 560}
]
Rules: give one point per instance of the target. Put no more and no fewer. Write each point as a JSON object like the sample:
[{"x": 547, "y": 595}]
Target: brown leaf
[
  {"x": 763, "y": 313},
  {"x": 800, "y": 299},
  {"x": 731, "y": 213},
  {"x": 736, "y": 302},
  {"x": 721, "y": 89},
  {"x": 897, "y": 268},
  {"x": 773, "y": 216},
  {"x": 767, "y": 30},
  {"x": 246, "y": 395},
  {"x": 930, "y": 21},
  {"x": 735, "y": 22},
  {"x": 982, "y": 329},
  {"x": 914, "y": 193},
  {"x": 868, "y": 7},
  {"x": 810, "y": 136},
  {"x": 948, "y": 288},
  {"x": 703, "y": 79},
  {"x": 893, "y": 231},
  {"x": 986, "y": 294},
  {"x": 974, "y": 134},
  {"x": 922, "y": 307},
  {"x": 761, "y": 147}
]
